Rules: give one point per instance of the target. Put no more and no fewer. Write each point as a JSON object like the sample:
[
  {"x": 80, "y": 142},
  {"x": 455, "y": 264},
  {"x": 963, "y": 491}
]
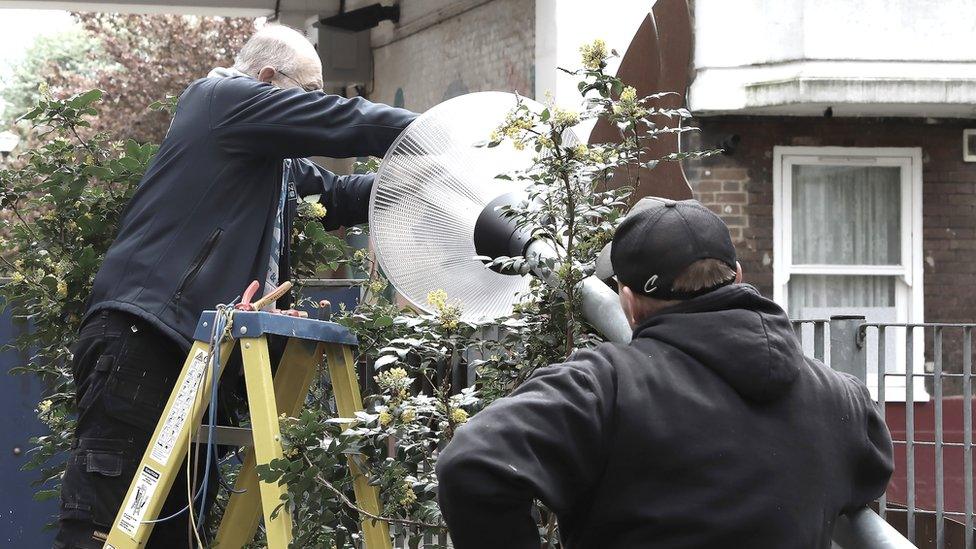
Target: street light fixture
[{"x": 8, "y": 140}]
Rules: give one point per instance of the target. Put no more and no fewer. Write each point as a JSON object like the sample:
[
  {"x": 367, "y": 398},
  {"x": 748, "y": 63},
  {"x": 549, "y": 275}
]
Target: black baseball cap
[{"x": 658, "y": 240}]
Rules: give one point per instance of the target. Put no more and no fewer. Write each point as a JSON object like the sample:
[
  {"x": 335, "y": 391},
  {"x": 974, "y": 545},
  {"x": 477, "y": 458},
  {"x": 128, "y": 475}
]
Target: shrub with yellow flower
[
  {"x": 409, "y": 497},
  {"x": 377, "y": 285},
  {"x": 628, "y": 106},
  {"x": 594, "y": 54},
  {"x": 408, "y": 415},
  {"x": 312, "y": 209},
  {"x": 459, "y": 415},
  {"x": 564, "y": 118},
  {"x": 448, "y": 315}
]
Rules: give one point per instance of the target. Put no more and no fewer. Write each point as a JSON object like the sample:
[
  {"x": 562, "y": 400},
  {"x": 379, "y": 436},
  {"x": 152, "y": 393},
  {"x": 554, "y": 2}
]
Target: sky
[{"x": 19, "y": 28}]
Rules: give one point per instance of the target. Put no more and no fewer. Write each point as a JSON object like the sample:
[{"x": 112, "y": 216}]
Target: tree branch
[{"x": 348, "y": 503}]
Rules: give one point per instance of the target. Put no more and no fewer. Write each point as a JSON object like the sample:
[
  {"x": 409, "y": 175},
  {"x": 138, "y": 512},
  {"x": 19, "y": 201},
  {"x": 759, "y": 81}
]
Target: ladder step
[{"x": 225, "y": 435}]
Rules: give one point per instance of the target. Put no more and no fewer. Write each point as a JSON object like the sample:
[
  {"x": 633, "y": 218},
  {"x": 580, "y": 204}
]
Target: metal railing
[{"x": 904, "y": 357}]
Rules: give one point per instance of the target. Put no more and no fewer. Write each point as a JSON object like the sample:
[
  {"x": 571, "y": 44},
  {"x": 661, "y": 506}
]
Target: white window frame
[{"x": 909, "y": 293}]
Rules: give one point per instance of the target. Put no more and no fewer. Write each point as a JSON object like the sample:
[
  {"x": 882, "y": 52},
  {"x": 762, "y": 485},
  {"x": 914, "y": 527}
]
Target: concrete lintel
[
  {"x": 862, "y": 91},
  {"x": 807, "y": 87},
  {"x": 228, "y": 8},
  {"x": 294, "y": 12}
]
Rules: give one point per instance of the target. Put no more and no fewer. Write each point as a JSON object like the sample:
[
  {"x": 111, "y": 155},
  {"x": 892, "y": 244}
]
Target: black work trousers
[{"x": 124, "y": 371}]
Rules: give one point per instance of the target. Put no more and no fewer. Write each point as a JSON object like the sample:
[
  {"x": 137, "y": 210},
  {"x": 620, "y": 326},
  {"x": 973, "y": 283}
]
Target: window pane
[
  {"x": 810, "y": 295},
  {"x": 846, "y": 215}
]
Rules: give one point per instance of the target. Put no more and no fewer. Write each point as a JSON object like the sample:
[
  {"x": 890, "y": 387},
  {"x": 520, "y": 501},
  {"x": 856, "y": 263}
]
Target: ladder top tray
[{"x": 255, "y": 324}]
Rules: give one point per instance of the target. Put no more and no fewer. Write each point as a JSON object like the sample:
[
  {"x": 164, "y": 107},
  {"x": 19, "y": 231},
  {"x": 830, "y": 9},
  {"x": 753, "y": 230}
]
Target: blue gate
[{"x": 22, "y": 519}]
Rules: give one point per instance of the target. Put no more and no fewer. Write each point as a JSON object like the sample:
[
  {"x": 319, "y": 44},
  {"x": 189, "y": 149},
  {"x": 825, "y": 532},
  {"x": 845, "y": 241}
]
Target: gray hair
[{"x": 278, "y": 46}]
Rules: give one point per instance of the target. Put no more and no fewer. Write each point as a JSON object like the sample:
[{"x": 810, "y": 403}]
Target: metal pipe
[
  {"x": 967, "y": 429},
  {"x": 600, "y": 305},
  {"x": 845, "y": 353},
  {"x": 818, "y": 340},
  {"x": 910, "y": 429},
  {"x": 882, "y": 368},
  {"x": 939, "y": 472},
  {"x": 864, "y": 529}
]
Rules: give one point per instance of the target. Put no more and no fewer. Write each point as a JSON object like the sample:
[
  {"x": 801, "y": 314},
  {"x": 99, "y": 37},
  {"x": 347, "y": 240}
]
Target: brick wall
[
  {"x": 740, "y": 188},
  {"x": 435, "y": 55},
  {"x": 444, "y": 48}
]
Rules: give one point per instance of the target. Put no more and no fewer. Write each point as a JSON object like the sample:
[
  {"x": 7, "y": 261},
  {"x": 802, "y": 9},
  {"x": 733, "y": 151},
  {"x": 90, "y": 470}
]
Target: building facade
[{"x": 844, "y": 181}]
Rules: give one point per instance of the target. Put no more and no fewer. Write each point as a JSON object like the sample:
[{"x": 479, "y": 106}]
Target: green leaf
[
  {"x": 84, "y": 99},
  {"x": 130, "y": 163},
  {"x": 384, "y": 360},
  {"x": 32, "y": 114},
  {"x": 618, "y": 88}
]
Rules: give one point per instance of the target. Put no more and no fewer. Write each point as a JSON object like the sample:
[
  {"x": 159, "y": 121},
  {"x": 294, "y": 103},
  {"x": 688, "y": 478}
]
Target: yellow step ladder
[{"x": 267, "y": 398}]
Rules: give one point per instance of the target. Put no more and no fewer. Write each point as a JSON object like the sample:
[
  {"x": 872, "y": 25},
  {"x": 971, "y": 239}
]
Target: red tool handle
[{"x": 245, "y": 304}]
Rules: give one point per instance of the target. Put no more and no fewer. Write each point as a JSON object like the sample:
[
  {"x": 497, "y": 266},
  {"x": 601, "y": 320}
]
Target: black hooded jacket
[
  {"x": 710, "y": 429},
  {"x": 198, "y": 228}
]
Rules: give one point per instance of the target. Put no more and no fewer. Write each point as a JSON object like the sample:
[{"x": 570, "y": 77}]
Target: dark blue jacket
[{"x": 198, "y": 228}]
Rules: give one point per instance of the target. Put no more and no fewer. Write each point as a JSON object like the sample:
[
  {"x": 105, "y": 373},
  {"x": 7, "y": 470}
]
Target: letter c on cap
[{"x": 650, "y": 285}]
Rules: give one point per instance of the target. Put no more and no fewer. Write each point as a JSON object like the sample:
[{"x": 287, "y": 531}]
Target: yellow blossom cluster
[
  {"x": 603, "y": 155},
  {"x": 385, "y": 418},
  {"x": 564, "y": 118},
  {"x": 629, "y": 95},
  {"x": 437, "y": 299},
  {"x": 459, "y": 416},
  {"x": 44, "y": 407},
  {"x": 376, "y": 285},
  {"x": 594, "y": 54},
  {"x": 628, "y": 105},
  {"x": 449, "y": 315},
  {"x": 317, "y": 210},
  {"x": 450, "y": 321},
  {"x": 62, "y": 289},
  {"x": 395, "y": 381},
  {"x": 408, "y": 415},
  {"x": 515, "y": 127},
  {"x": 312, "y": 209},
  {"x": 409, "y": 497}
]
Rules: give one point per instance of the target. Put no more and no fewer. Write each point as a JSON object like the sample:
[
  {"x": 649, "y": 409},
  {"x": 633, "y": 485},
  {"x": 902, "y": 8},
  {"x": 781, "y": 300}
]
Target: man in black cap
[{"x": 709, "y": 429}]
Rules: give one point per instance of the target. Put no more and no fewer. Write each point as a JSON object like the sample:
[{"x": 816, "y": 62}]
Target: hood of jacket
[{"x": 743, "y": 337}]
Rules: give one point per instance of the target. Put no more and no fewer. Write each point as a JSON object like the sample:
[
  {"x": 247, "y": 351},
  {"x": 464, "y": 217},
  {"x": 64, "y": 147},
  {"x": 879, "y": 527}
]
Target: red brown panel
[{"x": 658, "y": 59}]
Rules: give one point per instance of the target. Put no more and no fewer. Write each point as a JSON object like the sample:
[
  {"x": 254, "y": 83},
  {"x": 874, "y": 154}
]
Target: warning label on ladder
[
  {"x": 135, "y": 508},
  {"x": 181, "y": 409}
]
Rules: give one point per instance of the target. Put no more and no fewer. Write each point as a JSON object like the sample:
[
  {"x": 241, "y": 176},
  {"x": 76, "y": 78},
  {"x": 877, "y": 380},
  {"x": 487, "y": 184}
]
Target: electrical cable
[
  {"x": 189, "y": 494},
  {"x": 174, "y": 515},
  {"x": 222, "y": 322}
]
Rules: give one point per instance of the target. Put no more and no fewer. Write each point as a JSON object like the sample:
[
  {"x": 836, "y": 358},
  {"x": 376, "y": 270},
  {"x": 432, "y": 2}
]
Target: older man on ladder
[{"x": 212, "y": 213}]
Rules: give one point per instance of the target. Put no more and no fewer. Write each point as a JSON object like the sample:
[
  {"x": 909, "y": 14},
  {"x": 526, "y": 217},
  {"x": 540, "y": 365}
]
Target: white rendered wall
[
  {"x": 866, "y": 57},
  {"x": 562, "y": 26}
]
